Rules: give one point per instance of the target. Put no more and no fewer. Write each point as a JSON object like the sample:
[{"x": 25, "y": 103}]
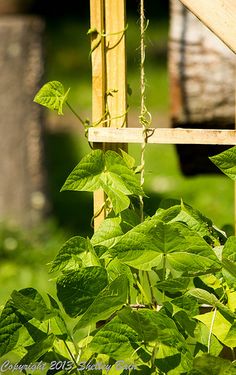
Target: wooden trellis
[{"x": 109, "y": 80}]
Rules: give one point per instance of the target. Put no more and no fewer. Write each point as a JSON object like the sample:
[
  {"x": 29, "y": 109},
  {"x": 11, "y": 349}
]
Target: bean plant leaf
[
  {"x": 145, "y": 246},
  {"x": 217, "y": 366},
  {"x": 9, "y": 328},
  {"x": 53, "y": 96},
  {"x": 112, "y": 228},
  {"x": 115, "y": 339},
  {"x": 229, "y": 249},
  {"x": 37, "y": 350},
  {"x": 77, "y": 290},
  {"x": 108, "y": 232},
  {"x": 31, "y": 302},
  {"x": 109, "y": 300},
  {"x": 107, "y": 171},
  {"x": 221, "y": 325},
  {"x": 226, "y": 162},
  {"x": 203, "y": 296},
  {"x": 152, "y": 325},
  {"x": 71, "y": 253},
  {"x": 58, "y": 320},
  {"x": 201, "y": 334},
  {"x": 174, "y": 285},
  {"x": 179, "y": 211}
]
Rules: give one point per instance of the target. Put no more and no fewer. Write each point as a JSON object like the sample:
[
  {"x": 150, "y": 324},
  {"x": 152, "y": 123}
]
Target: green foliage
[
  {"x": 134, "y": 294},
  {"x": 53, "y": 96},
  {"x": 226, "y": 162},
  {"x": 108, "y": 171}
]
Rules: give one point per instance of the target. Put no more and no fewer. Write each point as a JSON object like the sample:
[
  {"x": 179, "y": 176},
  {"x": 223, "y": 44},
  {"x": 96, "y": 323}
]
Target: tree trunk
[
  {"x": 22, "y": 183},
  {"x": 202, "y": 80}
]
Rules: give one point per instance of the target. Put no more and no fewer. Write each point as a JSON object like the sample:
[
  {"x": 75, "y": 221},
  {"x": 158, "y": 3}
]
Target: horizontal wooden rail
[{"x": 163, "y": 136}]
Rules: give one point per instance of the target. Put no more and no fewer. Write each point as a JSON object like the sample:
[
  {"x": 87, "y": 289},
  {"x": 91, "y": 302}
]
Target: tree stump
[
  {"x": 202, "y": 80},
  {"x": 23, "y": 182}
]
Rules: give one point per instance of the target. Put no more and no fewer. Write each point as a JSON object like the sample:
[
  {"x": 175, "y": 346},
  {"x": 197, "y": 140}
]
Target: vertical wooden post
[
  {"x": 108, "y": 76},
  {"x": 97, "y": 20},
  {"x": 115, "y": 19}
]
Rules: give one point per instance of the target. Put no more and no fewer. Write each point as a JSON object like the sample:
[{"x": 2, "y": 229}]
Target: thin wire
[{"x": 145, "y": 117}]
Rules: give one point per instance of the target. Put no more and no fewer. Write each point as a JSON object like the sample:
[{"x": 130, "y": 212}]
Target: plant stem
[
  {"x": 71, "y": 355},
  {"x": 151, "y": 289},
  {"x": 76, "y": 114},
  {"x": 210, "y": 332}
]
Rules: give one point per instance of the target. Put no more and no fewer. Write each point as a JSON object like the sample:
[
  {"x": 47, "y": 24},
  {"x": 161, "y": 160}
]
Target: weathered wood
[
  {"x": 97, "y": 10},
  {"x": 201, "y": 76},
  {"x": 201, "y": 71},
  {"x": 164, "y": 136},
  {"x": 218, "y": 16},
  {"x": 116, "y": 63},
  {"x": 108, "y": 76},
  {"x": 22, "y": 183}
]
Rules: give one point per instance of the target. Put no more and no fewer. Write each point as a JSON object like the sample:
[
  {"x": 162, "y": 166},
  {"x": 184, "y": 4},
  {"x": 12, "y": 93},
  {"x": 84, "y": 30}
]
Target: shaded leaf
[
  {"x": 72, "y": 249},
  {"x": 174, "y": 285},
  {"x": 78, "y": 289},
  {"x": 115, "y": 339},
  {"x": 207, "y": 364},
  {"x": 31, "y": 302},
  {"x": 53, "y": 96},
  {"x": 37, "y": 350},
  {"x": 9, "y": 328},
  {"x": 108, "y": 301},
  {"x": 152, "y": 325}
]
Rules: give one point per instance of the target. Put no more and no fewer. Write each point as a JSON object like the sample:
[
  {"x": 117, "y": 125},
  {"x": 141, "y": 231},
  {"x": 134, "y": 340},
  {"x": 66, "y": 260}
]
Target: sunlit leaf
[
  {"x": 226, "y": 162},
  {"x": 53, "y": 96}
]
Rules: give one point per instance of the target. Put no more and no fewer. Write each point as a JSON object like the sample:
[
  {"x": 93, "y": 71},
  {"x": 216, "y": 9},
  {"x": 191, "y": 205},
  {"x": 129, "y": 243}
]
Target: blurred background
[{"x": 62, "y": 46}]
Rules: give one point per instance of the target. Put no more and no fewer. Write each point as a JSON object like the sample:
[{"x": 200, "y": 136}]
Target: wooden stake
[
  {"x": 108, "y": 77},
  {"x": 115, "y": 20},
  {"x": 97, "y": 9}
]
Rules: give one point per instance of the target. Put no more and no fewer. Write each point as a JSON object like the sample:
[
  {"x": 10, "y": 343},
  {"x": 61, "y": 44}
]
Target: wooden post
[
  {"x": 108, "y": 77},
  {"x": 97, "y": 9}
]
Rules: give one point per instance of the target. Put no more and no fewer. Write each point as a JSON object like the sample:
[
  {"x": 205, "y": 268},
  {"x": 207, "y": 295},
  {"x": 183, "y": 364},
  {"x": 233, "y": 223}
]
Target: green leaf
[
  {"x": 229, "y": 249},
  {"x": 116, "y": 339},
  {"x": 108, "y": 301},
  {"x": 58, "y": 322},
  {"x": 71, "y": 252},
  {"x": 226, "y": 162},
  {"x": 221, "y": 326},
  {"x": 107, "y": 171},
  {"x": 108, "y": 232},
  {"x": 145, "y": 246},
  {"x": 53, "y": 96},
  {"x": 129, "y": 160},
  {"x": 37, "y": 350},
  {"x": 195, "y": 220},
  {"x": 112, "y": 228},
  {"x": 86, "y": 175},
  {"x": 31, "y": 302},
  {"x": 202, "y": 336},
  {"x": 77, "y": 290},
  {"x": 152, "y": 325},
  {"x": 174, "y": 285},
  {"x": 9, "y": 328},
  {"x": 203, "y": 296},
  {"x": 115, "y": 268},
  {"x": 217, "y": 366}
]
